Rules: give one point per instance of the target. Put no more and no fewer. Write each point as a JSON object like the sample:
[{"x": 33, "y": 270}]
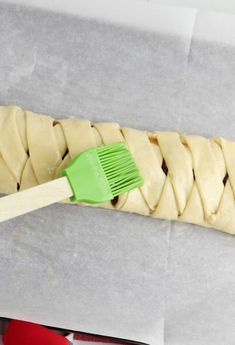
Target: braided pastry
[{"x": 187, "y": 178}]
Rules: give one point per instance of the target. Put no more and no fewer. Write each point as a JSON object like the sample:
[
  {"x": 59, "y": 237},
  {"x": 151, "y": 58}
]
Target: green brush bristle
[
  {"x": 119, "y": 168},
  {"x": 99, "y": 174}
]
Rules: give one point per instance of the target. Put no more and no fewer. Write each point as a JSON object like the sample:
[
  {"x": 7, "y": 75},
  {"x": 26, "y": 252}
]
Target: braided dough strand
[{"x": 187, "y": 178}]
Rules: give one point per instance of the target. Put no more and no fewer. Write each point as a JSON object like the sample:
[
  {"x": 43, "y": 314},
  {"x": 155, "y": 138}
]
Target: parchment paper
[{"x": 108, "y": 272}]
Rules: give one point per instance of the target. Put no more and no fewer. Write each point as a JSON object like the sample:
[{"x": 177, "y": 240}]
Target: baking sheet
[{"x": 109, "y": 272}]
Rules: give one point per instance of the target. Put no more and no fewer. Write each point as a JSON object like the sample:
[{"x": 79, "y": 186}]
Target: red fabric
[
  {"x": 98, "y": 338},
  {"x": 27, "y": 333}
]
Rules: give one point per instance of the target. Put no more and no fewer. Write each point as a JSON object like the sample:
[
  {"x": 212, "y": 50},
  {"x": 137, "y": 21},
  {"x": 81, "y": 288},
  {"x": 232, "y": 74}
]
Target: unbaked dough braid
[{"x": 187, "y": 178}]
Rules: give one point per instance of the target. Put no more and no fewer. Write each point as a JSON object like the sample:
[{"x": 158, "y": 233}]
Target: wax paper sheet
[{"x": 109, "y": 272}]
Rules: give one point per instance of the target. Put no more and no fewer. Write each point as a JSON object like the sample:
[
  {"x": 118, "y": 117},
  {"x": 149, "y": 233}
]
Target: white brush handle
[{"x": 31, "y": 199}]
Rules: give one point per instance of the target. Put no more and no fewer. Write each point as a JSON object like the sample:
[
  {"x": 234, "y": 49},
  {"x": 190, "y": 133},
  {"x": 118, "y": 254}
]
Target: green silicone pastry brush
[{"x": 94, "y": 176}]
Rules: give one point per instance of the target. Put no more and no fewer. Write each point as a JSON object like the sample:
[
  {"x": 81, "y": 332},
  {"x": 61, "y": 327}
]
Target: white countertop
[{"x": 97, "y": 5}]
